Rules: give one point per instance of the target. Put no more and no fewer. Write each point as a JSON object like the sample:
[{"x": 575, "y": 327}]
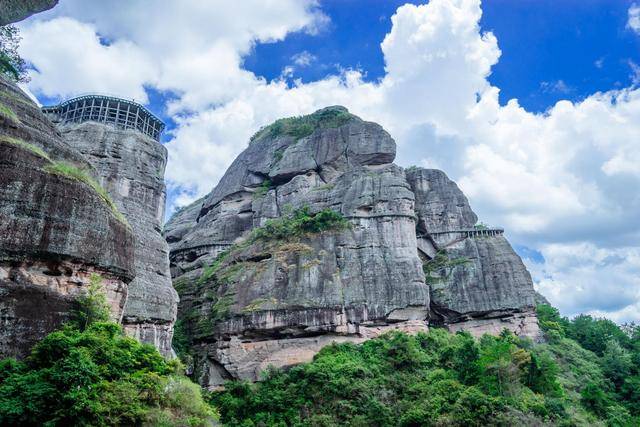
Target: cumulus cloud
[
  {"x": 120, "y": 68},
  {"x": 563, "y": 182},
  {"x": 192, "y": 48},
  {"x": 581, "y": 277}
]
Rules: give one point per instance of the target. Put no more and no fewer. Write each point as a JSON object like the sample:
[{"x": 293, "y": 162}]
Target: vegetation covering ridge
[
  {"x": 293, "y": 224},
  {"x": 302, "y": 126},
  {"x": 89, "y": 373}
]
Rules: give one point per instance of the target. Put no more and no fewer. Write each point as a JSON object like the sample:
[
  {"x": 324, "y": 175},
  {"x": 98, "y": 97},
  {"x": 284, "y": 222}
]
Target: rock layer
[
  {"x": 131, "y": 168},
  {"x": 278, "y": 302},
  {"x": 55, "y": 230}
]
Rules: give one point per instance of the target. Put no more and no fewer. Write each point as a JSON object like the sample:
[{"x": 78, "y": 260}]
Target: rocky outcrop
[
  {"x": 56, "y": 229},
  {"x": 17, "y": 10},
  {"x": 252, "y": 299},
  {"x": 478, "y": 282},
  {"x": 130, "y": 166}
]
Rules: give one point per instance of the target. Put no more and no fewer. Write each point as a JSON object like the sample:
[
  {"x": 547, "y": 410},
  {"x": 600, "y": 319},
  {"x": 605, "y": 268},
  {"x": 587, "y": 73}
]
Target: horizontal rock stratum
[
  {"x": 130, "y": 166},
  {"x": 381, "y": 248},
  {"x": 57, "y": 229}
]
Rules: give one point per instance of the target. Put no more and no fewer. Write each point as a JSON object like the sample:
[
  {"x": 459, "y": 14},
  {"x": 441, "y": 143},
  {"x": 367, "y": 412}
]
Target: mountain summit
[{"x": 314, "y": 235}]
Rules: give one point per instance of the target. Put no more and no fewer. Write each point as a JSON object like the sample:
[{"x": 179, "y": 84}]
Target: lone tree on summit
[{"x": 12, "y": 65}]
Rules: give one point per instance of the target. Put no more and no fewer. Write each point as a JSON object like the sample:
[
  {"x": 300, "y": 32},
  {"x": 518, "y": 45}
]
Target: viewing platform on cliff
[
  {"x": 471, "y": 232},
  {"x": 430, "y": 244},
  {"x": 121, "y": 113}
]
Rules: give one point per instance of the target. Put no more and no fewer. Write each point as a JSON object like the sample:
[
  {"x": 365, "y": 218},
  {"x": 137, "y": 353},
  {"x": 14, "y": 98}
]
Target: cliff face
[
  {"x": 17, "y": 10},
  {"x": 56, "y": 230},
  {"x": 278, "y": 301},
  {"x": 481, "y": 285},
  {"x": 131, "y": 167}
]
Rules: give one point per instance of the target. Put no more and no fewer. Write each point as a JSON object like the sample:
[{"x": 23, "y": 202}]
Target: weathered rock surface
[
  {"x": 131, "y": 168},
  {"x": 55, "y": 231},
  {"x": 278, "y": 302},
  {"x": 486, "y": 279},
  {"x": 17, "y": 10}
]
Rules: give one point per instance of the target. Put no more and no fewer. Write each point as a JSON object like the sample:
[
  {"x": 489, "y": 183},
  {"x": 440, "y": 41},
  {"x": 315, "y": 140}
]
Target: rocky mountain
[
  {"x": 57, "y": 228},
  {"x": 130, "y": 166},
  {"x": 17, "y": 10},
  {"x": 314, "y": 235}
]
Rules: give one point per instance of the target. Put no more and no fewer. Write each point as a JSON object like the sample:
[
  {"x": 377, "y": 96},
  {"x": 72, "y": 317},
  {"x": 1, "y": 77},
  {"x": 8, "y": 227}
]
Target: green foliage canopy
[
  {"x": 90, "y": 374},
  {"x": 12, "y": 65},
  {"x": 97, "y": 377},
  {"x": 435, "y": 378},
  {"x": 439, "y": 378}
]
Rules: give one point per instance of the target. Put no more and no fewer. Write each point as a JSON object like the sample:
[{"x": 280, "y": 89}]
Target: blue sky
[
  {"x": 531, "y": 106},
  {"x": 551, "y": 50}
]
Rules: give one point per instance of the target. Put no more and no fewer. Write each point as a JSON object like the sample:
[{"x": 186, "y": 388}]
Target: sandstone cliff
[
  {"x": 477, "y": 281},
  {"x": 17, "y": 10},
  {"x": 56, "y": 228},
  {"x": 131, "y": 166},
  {"x": 249, "y": 299}
]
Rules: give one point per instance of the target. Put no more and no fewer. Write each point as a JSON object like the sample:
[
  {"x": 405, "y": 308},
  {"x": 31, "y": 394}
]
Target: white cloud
[
  {"x": 558, "y": 86},
  {"x": 121, "y": 68},
  {"x": 563, "y": 182},
  {"x": 635, "y": 73},
  {"x": 599, "y": 63},
  {"x": 581, "y": 278},
  {"x": 194, "y": 47},
  {"x": 303, "y": 59},
  {"x": 633, "y": 21}
]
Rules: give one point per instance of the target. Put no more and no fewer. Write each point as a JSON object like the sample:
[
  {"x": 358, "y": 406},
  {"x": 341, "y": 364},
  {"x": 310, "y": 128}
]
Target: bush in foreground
[{"x": 97, "y": 377}]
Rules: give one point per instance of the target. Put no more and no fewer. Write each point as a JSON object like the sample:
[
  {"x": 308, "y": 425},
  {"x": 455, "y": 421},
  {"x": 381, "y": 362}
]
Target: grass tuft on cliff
[
  {"x": 8, "y": 114},
  {"x": 25, "y": 146},
  {"x": 69, "y": 171},
  {"x": 443, "y": 379},
  {"x": 73, "y": 172},
  {"x": 440, "y": 267},
  {"x": 302, "y": 126},
  {"x": 220, "y": 276},
  {"x": 292, "y": 225},
  {"x": 299, "y": 222}
]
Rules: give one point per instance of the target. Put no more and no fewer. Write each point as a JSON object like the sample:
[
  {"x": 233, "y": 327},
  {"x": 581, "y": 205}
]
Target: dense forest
[{"x": 587, "y": 372}]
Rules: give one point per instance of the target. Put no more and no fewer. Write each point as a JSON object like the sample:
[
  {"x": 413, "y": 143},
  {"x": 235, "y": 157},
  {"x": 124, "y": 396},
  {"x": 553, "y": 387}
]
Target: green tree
[
  {"x": 616, "y": 363},
  {"x": 595, "y": 399},
  {"x": 550, "y": 320},
  {"x": 97, "y": 377},
  {"x": 630, "y": 394},
  {"x": 12, "y": 65},
  {"x": 92, "y": 305},
  {"x": 594, "y": 334}
]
